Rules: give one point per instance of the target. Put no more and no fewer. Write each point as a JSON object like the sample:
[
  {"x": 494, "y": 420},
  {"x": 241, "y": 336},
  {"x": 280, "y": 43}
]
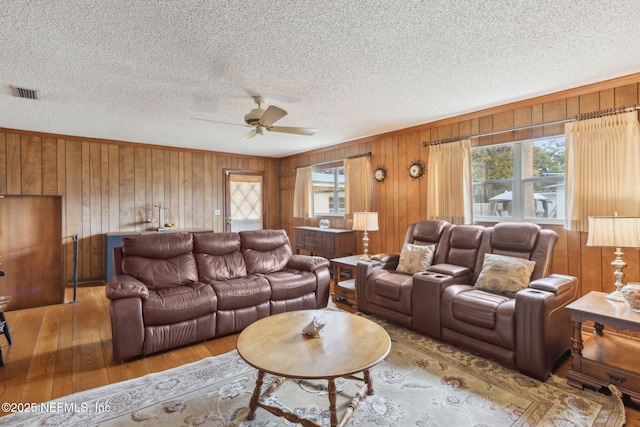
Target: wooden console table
[
  {"x": 604, "y": 359},
  {"x": 326, "y": 242}
]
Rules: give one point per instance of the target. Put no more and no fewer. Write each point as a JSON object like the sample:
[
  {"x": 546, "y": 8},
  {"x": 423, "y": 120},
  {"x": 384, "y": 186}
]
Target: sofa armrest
[
  {"x": 450, "y": 270},
  {"x": 307, "y": 262},
  {"x": 555, "y": 283},
  {"x": 388, "y": 261},
  {"x": 125, "y": 286},
  {"x": 543, "y": 326}
]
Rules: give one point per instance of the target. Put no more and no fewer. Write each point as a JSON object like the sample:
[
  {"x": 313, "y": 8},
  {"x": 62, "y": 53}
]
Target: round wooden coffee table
[{"x": 347, "y": 345}]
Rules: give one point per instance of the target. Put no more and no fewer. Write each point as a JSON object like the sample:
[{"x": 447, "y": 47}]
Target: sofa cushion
[
  {"x": 178, "y": 303},
  {"x": 244, "y": 292},
  {"x": 160, "y": 260},
  {"x": 218, "y": 256},
  {"x": 504, "y": 274},
  {"x": 290, "y": 284},
  {"x": 265, "y": 251},
  {"x": 414, "y": 258}
]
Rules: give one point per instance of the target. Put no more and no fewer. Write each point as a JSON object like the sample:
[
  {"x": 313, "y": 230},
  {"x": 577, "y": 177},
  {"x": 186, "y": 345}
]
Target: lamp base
[{"x": 615, "y": 296}]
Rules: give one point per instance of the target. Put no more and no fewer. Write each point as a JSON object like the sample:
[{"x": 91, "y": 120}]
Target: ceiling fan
[{"x": 263, "y": 119}]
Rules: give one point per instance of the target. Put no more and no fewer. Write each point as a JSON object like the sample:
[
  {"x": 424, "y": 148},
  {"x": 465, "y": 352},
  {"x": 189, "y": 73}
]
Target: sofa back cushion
[
  {"x": 430, "y": 232},
  {"x": 464, "y": 245},
  {"x": 265, "y": 251},
  {"x": 160, "y": 260},
  {"x": 522, "y": 240},
  {"x": 218, "y": 256}
]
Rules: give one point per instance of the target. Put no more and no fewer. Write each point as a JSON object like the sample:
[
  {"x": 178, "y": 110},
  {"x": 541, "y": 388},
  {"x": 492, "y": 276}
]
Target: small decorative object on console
[
  {"x": 313, "y": 328},
  {"x": 631, "y": 295},
  {"x": 324, "y": 224}
]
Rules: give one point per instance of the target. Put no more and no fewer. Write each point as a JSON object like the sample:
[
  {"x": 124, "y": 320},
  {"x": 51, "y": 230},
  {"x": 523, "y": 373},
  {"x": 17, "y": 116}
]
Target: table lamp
[
  {"x": 615, "y": 232},
  {"x": 365, "y": 221}
]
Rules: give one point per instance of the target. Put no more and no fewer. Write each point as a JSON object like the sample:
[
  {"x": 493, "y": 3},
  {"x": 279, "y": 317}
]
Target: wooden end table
[
  {"x": 604, "y": 359},
  {"x": 344, "y": 291},
  {"x": 348, "y": 345}
]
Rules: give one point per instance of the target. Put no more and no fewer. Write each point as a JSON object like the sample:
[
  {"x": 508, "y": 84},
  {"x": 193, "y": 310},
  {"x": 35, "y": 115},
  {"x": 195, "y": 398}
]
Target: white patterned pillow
[
  {"x": 504, "y": 275},
  {"x": 414, "y": 258}
]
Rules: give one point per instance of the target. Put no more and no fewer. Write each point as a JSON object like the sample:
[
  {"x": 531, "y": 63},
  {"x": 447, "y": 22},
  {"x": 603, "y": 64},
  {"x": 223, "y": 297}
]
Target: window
[
  {"x": 521, "y": 181},
  {"x": 328, "y": 187}
]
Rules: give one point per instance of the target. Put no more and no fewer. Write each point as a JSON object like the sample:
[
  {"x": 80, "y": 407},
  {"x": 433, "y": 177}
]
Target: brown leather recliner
[
  {"x": 528, "y": 331},
  {"x": 381, "y": 290}
]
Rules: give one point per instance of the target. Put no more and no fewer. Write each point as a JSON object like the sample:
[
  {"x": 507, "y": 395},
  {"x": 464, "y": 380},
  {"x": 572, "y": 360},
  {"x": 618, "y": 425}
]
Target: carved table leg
[
  {"x": 576, "y": 340},
  {"x": 253, "y": 404},
  {"x": 368, "y": 381},
  {"x": 332, "y": 402}
]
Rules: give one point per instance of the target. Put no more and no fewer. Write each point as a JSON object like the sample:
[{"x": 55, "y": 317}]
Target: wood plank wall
[
  {"x": 107, "y": 186},
  {"x": 401, "y": 201}
]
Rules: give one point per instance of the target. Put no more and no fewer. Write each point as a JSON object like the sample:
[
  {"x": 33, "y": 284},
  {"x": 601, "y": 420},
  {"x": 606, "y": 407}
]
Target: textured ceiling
[{"x": 140, "y": 71}]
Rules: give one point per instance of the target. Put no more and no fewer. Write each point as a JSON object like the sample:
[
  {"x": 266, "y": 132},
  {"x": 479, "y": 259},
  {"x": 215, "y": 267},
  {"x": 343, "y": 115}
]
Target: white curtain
[
  {"x": 303, "y": 193},
  {"x": 602, "y": 168},
  {"x": 449, "y": 191},
  {"x": 357, "y": 185}
]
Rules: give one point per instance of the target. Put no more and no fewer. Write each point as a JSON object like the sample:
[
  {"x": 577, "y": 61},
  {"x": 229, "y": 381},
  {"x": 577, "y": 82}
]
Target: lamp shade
[
  {"x": 614, "y": 231},
  {"x": 365, "y": 221}
]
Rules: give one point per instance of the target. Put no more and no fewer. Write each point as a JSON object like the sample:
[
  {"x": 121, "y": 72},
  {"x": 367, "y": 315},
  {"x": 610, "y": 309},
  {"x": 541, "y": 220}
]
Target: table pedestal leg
[{"x": 253, "y": 404}]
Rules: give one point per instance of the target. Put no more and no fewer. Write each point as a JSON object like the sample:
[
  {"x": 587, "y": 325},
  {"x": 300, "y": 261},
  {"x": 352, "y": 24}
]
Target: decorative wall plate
[
  {"x": 416, "y": 169},
  {"x": 380, "y": 174}
]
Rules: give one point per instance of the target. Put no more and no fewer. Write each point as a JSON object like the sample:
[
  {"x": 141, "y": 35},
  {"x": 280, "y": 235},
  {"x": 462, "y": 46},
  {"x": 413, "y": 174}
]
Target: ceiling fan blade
[
  {"x": 271, "y": 115},
  {"x": 249, "y": 135},
  {"x": 297, "y": 131},
  {"x": 216, "y": 121}
]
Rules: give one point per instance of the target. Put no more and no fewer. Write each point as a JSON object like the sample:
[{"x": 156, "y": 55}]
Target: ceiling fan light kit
[{"x": 261, "y": 119}]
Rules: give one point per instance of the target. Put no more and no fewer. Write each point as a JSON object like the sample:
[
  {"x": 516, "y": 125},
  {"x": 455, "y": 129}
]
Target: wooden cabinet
[
  {"x": 328, "y": 242},
  {"x": 604, "y": 358}
]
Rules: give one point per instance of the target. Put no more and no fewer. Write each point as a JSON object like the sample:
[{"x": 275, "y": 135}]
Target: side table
[
  {"x": 604, "y": 359},
  {"x": 344, "y": 279}
]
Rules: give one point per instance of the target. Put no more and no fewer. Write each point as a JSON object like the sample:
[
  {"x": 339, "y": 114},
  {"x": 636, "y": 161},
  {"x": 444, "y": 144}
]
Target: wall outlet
[{"x": 216, "y": 212}]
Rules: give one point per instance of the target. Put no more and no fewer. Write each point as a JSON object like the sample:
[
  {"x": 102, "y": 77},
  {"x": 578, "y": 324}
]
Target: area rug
[{"x": 421, "y": 383}]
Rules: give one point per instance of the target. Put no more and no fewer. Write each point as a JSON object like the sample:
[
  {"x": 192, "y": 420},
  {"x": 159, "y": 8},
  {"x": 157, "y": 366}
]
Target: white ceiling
[{"x": 141, "y": 70}]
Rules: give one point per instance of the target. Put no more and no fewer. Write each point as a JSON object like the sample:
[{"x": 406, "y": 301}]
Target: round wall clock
[
  {"x": 380, "y": 174},
  {"x": 416, "y": 169}
]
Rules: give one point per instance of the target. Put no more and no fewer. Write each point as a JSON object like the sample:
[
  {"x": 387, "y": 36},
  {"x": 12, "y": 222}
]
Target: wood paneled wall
[
  {"x": 401, "y": 201},
  {"x": 107, "y": 186}
]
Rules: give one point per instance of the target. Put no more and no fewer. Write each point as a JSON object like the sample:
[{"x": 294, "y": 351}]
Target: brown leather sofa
[
  {"x": 170, "y": 290},
  {"x": 528, "y": 330}
]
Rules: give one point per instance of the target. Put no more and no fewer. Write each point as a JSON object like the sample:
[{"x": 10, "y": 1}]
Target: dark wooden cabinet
[{"x": 325, "y": 242}]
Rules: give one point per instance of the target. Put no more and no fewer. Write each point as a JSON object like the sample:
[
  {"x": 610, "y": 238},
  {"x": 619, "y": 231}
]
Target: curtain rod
[
  {"x": 585, "y": 116},
  {"x": 355, "y": 156}
]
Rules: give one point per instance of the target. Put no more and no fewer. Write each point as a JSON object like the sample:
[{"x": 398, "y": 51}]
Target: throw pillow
[
  {"x": 414, "y": 258},
  {"x": 504, "y": 275}
]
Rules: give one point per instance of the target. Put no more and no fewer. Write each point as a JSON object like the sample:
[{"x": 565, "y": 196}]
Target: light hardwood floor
[{"x": 62, "y": 349}]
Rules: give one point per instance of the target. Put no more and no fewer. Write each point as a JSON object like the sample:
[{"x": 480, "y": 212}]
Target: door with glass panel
[{"x": 243, "y": 200}]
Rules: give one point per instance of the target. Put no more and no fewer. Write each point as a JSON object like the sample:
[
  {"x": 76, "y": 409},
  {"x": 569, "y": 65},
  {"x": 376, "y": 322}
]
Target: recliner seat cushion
[
  {"x": 289, "y": 284},
  {"x": 244, "y": 292},
  {"x": 175, "y": 304},
  {"x": 392, "y": 291},
  {"x": 482, "y": 315}
]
